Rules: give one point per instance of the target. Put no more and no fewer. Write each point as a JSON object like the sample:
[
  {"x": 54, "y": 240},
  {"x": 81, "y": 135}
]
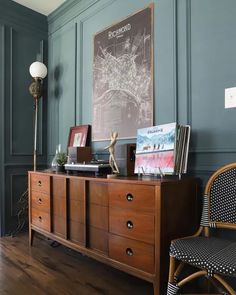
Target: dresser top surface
[{"x": 119, "y": 179}]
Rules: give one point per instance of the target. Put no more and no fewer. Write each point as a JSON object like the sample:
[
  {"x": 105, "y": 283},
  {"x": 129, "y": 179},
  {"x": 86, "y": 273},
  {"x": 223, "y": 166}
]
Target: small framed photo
[{"x": 79, "y": 136}]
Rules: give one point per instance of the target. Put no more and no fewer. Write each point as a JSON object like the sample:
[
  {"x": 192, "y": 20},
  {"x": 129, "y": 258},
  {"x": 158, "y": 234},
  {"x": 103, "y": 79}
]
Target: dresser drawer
[
  {"x": 131, "y": 196},
  {"x": 40, "y": 183},
  {"x": 133, "y": 253},
  {"x": 40, "y": 219},
  {"x": 132, "y": 224},
  {"x": 40, "y": 201}
]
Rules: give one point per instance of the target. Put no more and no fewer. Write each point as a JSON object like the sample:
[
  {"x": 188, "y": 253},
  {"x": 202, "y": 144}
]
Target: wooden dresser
[{"x": 125, "y": 222}]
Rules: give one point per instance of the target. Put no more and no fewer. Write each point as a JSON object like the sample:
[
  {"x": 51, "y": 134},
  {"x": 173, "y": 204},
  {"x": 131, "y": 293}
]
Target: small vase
[{"x": 54, "y": 160}]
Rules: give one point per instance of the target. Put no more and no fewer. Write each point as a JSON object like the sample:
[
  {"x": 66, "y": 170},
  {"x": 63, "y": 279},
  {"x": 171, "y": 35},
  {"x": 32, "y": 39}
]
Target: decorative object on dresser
[
  {"x": 125, "y": 222},
  {"x": 61, "y": 161},
  {"x": 212, "y": 256},
  {"x": 162, "y": 149},
  {"x": 112, "y": 160},
  {"x": 78, "y": 148},
  {"x": 79, "y": 136}
]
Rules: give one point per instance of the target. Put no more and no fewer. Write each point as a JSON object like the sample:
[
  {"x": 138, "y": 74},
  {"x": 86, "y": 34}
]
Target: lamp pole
[{"x": 35, "y": 131}]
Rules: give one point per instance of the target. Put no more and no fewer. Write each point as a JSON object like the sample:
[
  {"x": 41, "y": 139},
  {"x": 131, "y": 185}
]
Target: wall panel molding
[
  {"x": 67, "y": 11},
  {"x": 188, "y": 63},
  {"x": 175, "y": 63},
  {"x": 11, "y": 98},
  {"x": 11, "y": 89},
  {"x": 18, "y": 16},
  {"x": 189, "y": 69},
  {"x": 2, "y": 129}
]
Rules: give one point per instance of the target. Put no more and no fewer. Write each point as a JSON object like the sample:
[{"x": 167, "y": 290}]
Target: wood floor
[{"x": 44, "y": 270}]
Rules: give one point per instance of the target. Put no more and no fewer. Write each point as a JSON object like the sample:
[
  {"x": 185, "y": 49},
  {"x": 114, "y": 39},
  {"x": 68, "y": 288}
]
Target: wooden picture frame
[{"x": 79, "y": 136}]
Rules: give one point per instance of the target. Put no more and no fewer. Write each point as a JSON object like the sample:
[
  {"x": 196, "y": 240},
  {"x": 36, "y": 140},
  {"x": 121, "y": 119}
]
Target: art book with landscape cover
[{"x": 155, "y": 150}]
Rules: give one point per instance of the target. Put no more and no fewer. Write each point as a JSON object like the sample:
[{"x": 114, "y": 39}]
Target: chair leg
[
  {"x": 226, "y": 285},
  {"x": 192, "y": 277},
  {"x": 178, "y": 270},
  {"x": 172, "y": 289}
]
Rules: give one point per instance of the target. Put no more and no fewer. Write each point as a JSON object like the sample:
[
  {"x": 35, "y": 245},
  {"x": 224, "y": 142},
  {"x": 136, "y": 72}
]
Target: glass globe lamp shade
[{"x": 38, "y": 70}]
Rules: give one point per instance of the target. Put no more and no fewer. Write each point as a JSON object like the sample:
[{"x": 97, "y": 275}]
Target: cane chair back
[
  {"x": 212, "y": 255},
  {"x": 220, "y": 199}
]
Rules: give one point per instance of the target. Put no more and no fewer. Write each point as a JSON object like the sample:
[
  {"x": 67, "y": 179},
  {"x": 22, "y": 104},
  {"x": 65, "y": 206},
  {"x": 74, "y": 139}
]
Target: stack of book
[{"x": 162, "y": 149}]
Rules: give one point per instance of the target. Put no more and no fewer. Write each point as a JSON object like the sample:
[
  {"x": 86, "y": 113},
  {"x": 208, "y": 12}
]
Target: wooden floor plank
[{"x": 44, "y": 270}]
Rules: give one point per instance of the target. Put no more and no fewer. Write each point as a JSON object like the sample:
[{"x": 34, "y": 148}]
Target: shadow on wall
[{"x": 57, "y": 75}]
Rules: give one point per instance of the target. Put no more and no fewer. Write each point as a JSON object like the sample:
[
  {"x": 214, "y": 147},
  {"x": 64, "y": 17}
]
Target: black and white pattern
[
  {"x": 172, "y": 289},
  {"x": 202, "y": 252},
  {"x": 223, "y": 198},
  {"x": 205, "y": 211}
]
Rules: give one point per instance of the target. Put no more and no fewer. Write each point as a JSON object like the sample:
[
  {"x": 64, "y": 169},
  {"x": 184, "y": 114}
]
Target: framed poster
[
  {"x": 123, "y": 77},
  {"x": 79, "y": 136}
]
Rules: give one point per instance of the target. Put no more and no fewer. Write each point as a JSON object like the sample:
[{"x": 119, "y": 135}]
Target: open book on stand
[{"x": 162, "y": 149}]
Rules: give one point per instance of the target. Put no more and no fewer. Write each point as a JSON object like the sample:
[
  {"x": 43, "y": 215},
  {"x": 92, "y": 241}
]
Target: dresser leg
[
  {"x": 31, "y": 236},
  {"x": 156, "y": 289}
]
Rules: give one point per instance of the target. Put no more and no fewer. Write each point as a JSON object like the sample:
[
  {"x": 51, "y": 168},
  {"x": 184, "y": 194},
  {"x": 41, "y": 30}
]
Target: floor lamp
[{"x": 38, "y": 71}]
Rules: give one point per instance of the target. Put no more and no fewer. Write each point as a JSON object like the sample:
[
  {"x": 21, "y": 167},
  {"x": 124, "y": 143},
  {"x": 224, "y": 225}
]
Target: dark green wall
[
  {"x": 23, "y": 39},
  {"x": 194, "y": 54}
]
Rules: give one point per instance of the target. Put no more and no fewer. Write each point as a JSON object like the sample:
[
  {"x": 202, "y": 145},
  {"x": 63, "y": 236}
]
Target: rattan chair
[{"x": 213, "y": 257}]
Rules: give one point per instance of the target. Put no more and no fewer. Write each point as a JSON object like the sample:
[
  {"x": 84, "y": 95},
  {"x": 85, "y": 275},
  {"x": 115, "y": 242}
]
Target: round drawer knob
[
  {"x": 129, "y": 252},
  {"x": 40, "y": 201},
  {"x": 39, "y": 183},
  {"x": 129, "y": 197},
  {"x": 129, "y": 224},
  {"x": 40, "y": 218}
]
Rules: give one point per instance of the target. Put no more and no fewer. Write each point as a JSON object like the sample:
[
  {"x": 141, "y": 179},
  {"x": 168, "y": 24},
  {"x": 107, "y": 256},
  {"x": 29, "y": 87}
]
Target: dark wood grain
[
  {"x": 98, "y": 239},
  {"x": 40, "y": 182},
  {"x": 41, "y": 219},
  {"x": 40, "y": 201},
  {"x": 77, "y": 232},
  {"x": 142, "y": 253},
  {"x": 98, "y": 193},
  {"x": 132, "y": 224},
  {"x": 98, "y": 216},
  {"x": 59, "y": 206},
  {"x": 77, "y": 189},
  {"x": 43, "y": 270},
  {"x": 141, "y": 196}
]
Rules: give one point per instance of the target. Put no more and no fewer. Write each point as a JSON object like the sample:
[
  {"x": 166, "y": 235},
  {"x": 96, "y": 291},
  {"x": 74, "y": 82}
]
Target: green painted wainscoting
[
  {"x": 194, "y": 61},
  {"x": 23, "y": 39}
]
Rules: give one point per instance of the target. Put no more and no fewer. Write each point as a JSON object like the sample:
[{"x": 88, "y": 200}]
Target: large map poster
[{"x": 123, "y": 77}]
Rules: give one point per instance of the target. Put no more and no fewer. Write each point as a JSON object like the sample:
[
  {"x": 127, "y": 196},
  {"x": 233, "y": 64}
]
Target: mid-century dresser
[{"x": 127, "y": 223}]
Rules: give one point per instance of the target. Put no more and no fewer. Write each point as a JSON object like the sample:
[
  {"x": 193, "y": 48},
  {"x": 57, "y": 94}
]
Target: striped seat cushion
[{"x": 214, "y": 254}]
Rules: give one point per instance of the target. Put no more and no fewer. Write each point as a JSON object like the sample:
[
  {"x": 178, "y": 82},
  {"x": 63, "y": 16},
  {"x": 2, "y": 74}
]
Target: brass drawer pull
[
  {"x": 129, "y": 224},
  {"x": 39, "y": 183},
  {"x": 129, "y": 197},
  {"x": 40, "y": 201},
  {"x": 129, "y": 252},
  {"x": 40, "y": 218}
]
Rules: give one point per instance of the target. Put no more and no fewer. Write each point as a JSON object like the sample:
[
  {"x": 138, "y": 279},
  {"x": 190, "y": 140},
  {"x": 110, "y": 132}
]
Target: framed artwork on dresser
[{"x": 79, "y": 136}]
